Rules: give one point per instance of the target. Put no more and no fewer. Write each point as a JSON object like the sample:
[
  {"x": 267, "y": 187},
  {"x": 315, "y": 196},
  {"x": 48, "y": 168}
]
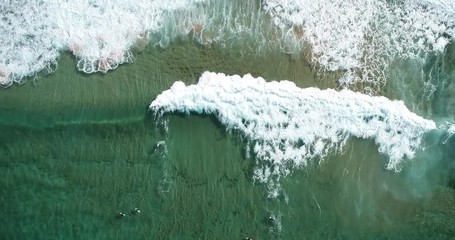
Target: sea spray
[{"x": 289, "y": 126}]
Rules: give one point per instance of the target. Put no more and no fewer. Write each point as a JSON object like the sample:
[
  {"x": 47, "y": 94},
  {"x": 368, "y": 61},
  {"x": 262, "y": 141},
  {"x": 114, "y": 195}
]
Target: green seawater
[{"x": 77, "y": 149}]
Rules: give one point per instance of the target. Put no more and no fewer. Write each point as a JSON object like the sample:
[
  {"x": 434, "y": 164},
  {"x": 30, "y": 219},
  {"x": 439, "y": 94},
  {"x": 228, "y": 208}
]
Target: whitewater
[
  {"x": 288, "y": 126},
  {"x": 357, "y": 39}
]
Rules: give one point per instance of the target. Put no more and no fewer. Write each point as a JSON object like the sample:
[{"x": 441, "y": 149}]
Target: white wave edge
[{"x": 288, "y": 124}]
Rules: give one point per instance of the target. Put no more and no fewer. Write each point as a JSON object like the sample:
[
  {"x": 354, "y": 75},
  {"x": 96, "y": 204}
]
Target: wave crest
[{"x": 290, "y": 125}]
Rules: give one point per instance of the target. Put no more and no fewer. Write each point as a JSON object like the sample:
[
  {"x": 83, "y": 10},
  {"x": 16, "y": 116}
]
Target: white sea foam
[
  {"x": 450, "y": 132},
  {"x": 362, "y": 37},
  {"x": 99, "y": 33},
  {"x": 290, "y": 125},
  {"x": 27, "y": 42}
]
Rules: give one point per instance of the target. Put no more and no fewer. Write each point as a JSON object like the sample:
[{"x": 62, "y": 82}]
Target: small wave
[{"x": 290, "y": 126}]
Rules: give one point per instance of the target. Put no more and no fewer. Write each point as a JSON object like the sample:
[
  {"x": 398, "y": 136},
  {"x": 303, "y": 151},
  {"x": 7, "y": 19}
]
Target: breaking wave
[{"x": 290, "y": 126}]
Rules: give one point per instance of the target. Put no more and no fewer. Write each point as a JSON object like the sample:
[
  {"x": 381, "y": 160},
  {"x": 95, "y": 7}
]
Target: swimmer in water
[
  {"x": 121, "y": 215},
  {"x": 271, "y": 219},
  {"x": 136, "y": 211}
]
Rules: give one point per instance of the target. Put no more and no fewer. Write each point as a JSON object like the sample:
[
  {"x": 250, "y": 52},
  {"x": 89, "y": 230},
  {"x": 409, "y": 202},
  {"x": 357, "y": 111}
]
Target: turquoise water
[{"x": 77, "y": 149}]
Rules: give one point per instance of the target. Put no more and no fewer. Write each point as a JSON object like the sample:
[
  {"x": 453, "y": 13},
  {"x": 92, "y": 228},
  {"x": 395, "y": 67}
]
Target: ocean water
[{"x": 227, "y": 119}]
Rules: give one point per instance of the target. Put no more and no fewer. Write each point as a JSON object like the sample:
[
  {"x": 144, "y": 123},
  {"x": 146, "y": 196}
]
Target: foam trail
[{"x": 290, "y": 125}]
